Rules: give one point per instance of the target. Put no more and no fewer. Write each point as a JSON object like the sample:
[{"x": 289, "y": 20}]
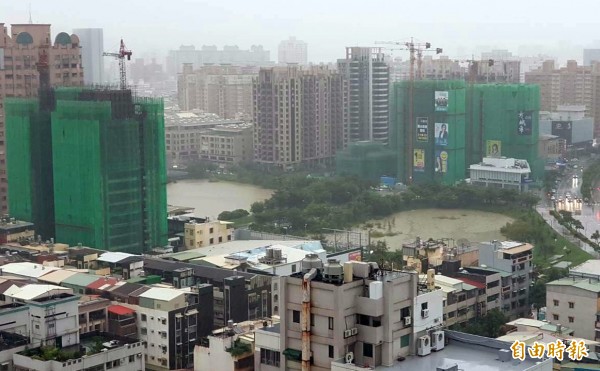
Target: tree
[{"x": 596, "y": 236}]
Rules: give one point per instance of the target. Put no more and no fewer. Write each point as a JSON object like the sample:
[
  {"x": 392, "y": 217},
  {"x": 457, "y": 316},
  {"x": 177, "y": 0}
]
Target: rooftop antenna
[{"x": 30, "y": 19}]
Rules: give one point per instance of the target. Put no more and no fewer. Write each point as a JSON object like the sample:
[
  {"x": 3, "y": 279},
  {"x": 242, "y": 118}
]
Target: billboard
[
  {"x": 441, "y": 134},
  {"x": 441, "y": 162},
  {"x": 564, "y": 130},
  {"x": 355, "y": 256},
  {"x": 419, "y": 163},
  {"x": 441, "y": 101},
  {"x": 525, "y": 123},
  {"x": 493, "y": 148},
  {"x": 422, "y": 129}
]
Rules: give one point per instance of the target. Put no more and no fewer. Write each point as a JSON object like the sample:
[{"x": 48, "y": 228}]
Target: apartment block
[
  {"x": 256, "y": 55},
  {"x": 300, "y": 116},
  {"x": 575, "y": 303},
  {"x": 332, "y": 311},
  {"x": 293, "y": 51},
  {"x": 21, "y": 50},
  {"x": 188, "y": 136},
  {"x": 368, "y": 76},
  {"x": 222, "y": 90},
  {"x": 572, "y": 85},
  {"x": 513, "y": 260},
  {"x": 215, "y": 351},
  {"x": 206, "y": 234},
  {"x": 460, "y": 299},
  {"x": 92, "y": 58}
]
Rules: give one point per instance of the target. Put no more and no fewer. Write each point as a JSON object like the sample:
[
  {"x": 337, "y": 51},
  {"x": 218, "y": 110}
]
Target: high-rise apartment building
[
  {"x": 210, "y": 54},
  {"x": 300, "y": 115},
  {"x": 92, "y": 59},
  {"x": 368, "y": 76},
  {"x": 224, "y": 90},
  {"x": 293, "y": 51},
  {"x": 20, "y": 52},
  {"x": 590, "y": 55},
  {"x": 90, "y": 167}
]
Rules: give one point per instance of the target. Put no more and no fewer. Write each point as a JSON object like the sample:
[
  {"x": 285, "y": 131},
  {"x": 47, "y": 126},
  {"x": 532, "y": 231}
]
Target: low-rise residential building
[
  {"x": 12, "y": 230},
  {"x": 122, "y": 321},
  {"x": 170, "y": 322},
  {"x": 575, "y": 303},
  {"x": 238, "y": 295},
  {"x": 501, "y": 172},
  {"x": 588, "y": 269},
  {"x": 460, "y": 300},
  {"x": 227, "y": 349},
  {"x": 513, "y": 260},
  {"x": 112, "y": 354},
  {"x": 122, "y": 264},
  {"x": 194, "y": 232},
  {"x": 93, "y": 315}
]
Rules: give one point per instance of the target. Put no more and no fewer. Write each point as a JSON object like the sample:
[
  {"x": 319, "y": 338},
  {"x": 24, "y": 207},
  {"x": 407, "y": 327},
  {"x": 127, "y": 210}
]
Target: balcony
[
  {"x": 369, "y": 307},
  {"x": 368, "y": 334}
]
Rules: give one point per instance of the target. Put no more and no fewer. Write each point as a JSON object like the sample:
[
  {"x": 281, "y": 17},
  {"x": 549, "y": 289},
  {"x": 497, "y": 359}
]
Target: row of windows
[{"x": 556, "y": 303}]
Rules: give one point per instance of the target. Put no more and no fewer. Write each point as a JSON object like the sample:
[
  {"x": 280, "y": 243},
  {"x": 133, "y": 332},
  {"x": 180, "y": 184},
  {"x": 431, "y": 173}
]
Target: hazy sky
[{"x": 461, "y": 27}]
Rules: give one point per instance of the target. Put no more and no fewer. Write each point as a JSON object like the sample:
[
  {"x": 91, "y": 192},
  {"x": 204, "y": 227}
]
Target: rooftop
[
  {"x": 159, "y": 293},
  {"x": 504, "y": 164},
  {"x": 120, "y": 310},
  {"x": 56, "y": 277},
  {"x": 256, "y": 247},
  {"x": 36, "y": 291},
  {"x": 469, "y": 352},
  {"x": 584, "y": 284},
  {"x": 114, "y": 257},
  {"x": 589, "y": 267},
  {"x": 26, "y": 269},
  {"x": 215, "y": 274}
]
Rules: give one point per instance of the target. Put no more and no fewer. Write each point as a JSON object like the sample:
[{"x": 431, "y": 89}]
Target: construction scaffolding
[
  {"x": 367, "y": 160},
  {"x": 106, "y": 165}
]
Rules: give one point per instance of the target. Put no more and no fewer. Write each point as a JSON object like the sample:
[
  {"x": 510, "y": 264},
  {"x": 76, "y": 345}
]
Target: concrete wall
[
  {"x": 586, "y": 304},
  {"x": 434, "y": 302}
]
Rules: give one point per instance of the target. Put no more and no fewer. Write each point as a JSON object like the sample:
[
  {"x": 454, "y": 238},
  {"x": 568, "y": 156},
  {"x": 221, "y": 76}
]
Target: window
[
  {"x": 555, "y": 302},
  {"x": 555, "y": 317},
  {"x": 296, "y": 316},
  {"x": 404, "y": 312},
  {"x": 331, "y": 323},
  {"x": 331, "y": 351},
  {"x": 212, "y": 240},
  {"x": 211, "y": 230},
  {"x": 368, "y": 350},
  {"x": 269, "y": 357},
  {"x": 312, "y": 319},
  {"x": 571, "y": 305},
  {"x": 571, "y": 319},
  {"x": 424, "y": 306},
  {"x": 143, "y": 331},
  {"x": 293, "y": 268},
  {"x": 404, "y": 341},
  {"x": 144, "y": 317}
]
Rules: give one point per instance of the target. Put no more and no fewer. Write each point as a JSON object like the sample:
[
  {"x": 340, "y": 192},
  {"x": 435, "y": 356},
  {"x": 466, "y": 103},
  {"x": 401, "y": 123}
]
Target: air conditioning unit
[
  {"x": 354, "y": 331},
  {"x": 437, "y": 340},
  {"x": 425, "y": 313},
  {"x": 424, "y": 346},
  {"x": 436, "y": 320},
  {"x": 407, "y": 321},
  {"x": 349, "y": 357},
  {"x": 347, "y": 333}
]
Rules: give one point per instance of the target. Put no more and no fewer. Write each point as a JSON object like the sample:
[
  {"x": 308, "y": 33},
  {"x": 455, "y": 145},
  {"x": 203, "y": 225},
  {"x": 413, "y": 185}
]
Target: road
[{"x": 590, "y": 213}]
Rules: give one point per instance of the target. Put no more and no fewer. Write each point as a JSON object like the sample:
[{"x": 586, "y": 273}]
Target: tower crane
[
  {"x": 416, "y": 51},
  {"x": 121, "y": 55}
]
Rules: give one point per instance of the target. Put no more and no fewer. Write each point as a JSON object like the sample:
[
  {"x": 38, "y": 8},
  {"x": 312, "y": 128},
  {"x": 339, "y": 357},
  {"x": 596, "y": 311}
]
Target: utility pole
[{"x": 416, "y": 51}]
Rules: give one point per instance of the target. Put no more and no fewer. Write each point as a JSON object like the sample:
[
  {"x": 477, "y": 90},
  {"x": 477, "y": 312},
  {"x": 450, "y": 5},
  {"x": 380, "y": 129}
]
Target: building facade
[
  {"x": 590, "y": 56},
  {"x": 92, "y": 58},
  {"x": 103, "y": 184},
  {"x": 369, "y": 317},
  {"x": 293, "y": 51},
  {"x": 223, "y": 90},
  {"x": 513, "y": 260},
  {"x": 228, "y": 144},
  {"x": 210, "y": 54},
  {"x": 506, "y": 173},
  {"x": 368, "y": 76},
  {"x": 300, "y": 116},
  {"x": 574, "y": 303},
  {"x": 569, "y": 124},
  {"x": 20, "y": 51}
]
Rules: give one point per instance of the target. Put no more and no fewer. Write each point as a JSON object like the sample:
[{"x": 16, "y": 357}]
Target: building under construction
[
  {"x": 89, "y": 167},
  {"x": 440, "y": 128}
]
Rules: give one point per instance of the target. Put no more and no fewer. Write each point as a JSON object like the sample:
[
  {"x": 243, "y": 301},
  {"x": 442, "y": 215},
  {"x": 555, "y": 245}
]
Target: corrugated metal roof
[
  {"x": 113, "y": 256},
  {"x": 589, "y": 267},
  {"x": 31, "y": 292},
  {"x": 159, "y": 293},
  {"x": 27, "y": 269},
  {"x": 185, "y": 256},
  {"x": 81, "y": 279},
  {"x": 102, "y": 282},
  {"x": 120, "y": 310},
  {"x": 216, "y": 274},
  {"x": 58, "y": 276}
]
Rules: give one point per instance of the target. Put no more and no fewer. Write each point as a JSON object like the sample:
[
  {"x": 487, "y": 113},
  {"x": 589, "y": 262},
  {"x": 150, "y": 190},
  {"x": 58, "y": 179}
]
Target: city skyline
[{"x": 526, "y": 28}]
